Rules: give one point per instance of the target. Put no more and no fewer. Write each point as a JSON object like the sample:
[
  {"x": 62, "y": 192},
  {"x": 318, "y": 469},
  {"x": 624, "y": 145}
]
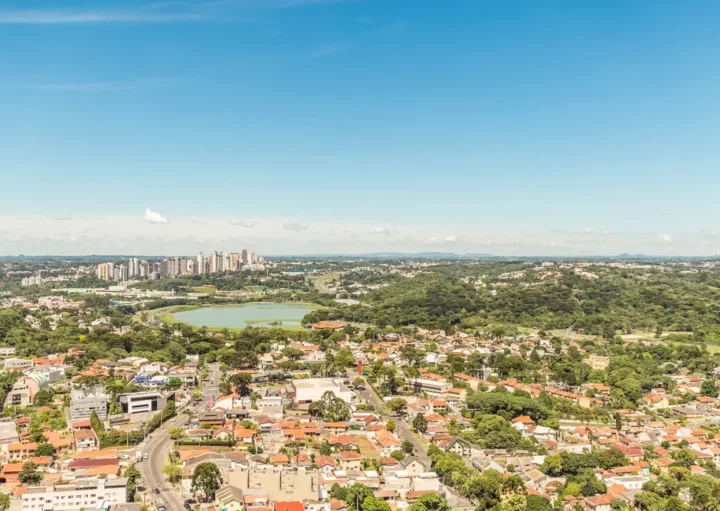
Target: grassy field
[
  {"x": 211, "y": 290},
  {"x": 322, "y": 282},
  {"x": 713, "y": 348}
]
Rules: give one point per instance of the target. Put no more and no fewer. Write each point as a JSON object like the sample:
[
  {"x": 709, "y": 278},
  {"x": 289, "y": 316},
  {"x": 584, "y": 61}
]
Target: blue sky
[{"x": 345, "y": 126}]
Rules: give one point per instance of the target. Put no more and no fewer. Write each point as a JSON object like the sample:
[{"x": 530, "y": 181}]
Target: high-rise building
[
  {"x": 216, "y": 262},
  {"x": 144, "y": 269},
  {"x": 244, "y": 256},
  {"x": 200, "y": 264},
  {"x": 234, "y": 261},
  {"x": 133, "y": 267},
  {"x": 102, "y": 273}
]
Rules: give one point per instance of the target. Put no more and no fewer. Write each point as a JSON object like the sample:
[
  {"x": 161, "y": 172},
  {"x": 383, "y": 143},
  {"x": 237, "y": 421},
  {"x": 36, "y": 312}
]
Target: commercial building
[
  {"x": 84, "y": 494},
  {"x": 25, "y": 388},
  {"x": 430, "y": 386},
  {"x": 85, "y": 401},
  {"x": 142, "y": 402},
  {"x": 17, "y": 364},
  {"x": 312, "y": 389}
]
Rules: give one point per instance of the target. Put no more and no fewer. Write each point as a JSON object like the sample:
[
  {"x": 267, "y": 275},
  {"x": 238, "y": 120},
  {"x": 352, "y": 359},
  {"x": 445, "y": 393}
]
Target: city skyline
[
  {"x": 360, "y": 126},
  {"x": 173, "y": 266}
]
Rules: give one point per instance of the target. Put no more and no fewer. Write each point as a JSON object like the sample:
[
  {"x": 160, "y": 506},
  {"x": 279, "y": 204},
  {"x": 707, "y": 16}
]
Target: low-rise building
[
  {"x": 310, "y": 390},
  {"x": 84, "y": 494},
  {"x": 142, "y": 402}
]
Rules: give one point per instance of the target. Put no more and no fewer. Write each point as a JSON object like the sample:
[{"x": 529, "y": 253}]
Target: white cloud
[
  {"x": 587, "y": 230},
  {"x": 381, "y": 230},
  {"x": 433, "y": 240},
  {"x": 294, "y": 226},
  {"x": 197, "y": 220},
  {"x": 64, "y": 216},
  {"x": 665, "y": 238},
  {"x": 248, "y": 224},
  {"x": 152, "y": 217},
  {"x": 450, "y": 239}
]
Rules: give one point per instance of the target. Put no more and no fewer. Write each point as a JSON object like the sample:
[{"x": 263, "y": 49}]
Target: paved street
[
  {"x": 158, "y": 447},
  {"x": 159, "y": 443},
  {"x": 403, "y": 429}
]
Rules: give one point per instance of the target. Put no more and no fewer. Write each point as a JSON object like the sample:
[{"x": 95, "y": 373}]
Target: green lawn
[{"x": 205, "y": 289}]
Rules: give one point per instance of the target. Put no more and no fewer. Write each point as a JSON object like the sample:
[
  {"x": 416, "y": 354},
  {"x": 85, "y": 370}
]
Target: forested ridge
[{"x": 622, "y": 300}]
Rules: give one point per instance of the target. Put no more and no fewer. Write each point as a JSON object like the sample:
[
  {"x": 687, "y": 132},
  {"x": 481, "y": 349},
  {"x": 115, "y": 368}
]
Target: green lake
[{"x": 241, "y": 316}]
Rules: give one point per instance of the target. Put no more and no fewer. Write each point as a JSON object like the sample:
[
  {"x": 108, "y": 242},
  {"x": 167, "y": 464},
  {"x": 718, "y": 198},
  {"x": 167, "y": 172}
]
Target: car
[
  {"x": 360, "y": 387},
  {"x": 146, "y": 456},
  {"x": 156, "y": 491}
]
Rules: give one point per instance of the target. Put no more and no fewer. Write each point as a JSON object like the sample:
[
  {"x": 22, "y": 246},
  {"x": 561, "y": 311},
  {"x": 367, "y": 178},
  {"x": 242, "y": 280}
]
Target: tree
[
  {"x": 330, "y": 408},
  {"x": 242, "y": 383},
  {"x": 132, "y": 474},
  {"x": 293, "y": 354},
  {"x": 516, "y": 502},
  {"x": 709, "y": 388},
  {"x": 225, "y": 388},
  {"x": 325, "y": 449},
  {"x": 96, "y": 424},
  {"x": 430, "y": 502},
  {"x": 4, "y": 502},
  {"x": 173, "y": 472},
  {"x": 390, "y": 426},
  {"x": 537, "y": 503},
  {"x": 173, "y": 384},
  {"x": 206, "y": 478},
  {"x": 176, "y": 433},
  {"x": 398, "y": 455},
  {"x": 408, "y": 447},
  {"x": 356, "y": 495},
  {"x": 338, "y": 492},
  {"x": 30, "y": 474},
  {"x": 42, "y": 398},
  {"x": 45, "y": 450},
  {"x": 375, "y": 504},
  {"x": 398, "y": 406},
  {"x": 494, "y": 432},
  {"x": 552, "y": 466},
  {"x": 420, "y": 423}
]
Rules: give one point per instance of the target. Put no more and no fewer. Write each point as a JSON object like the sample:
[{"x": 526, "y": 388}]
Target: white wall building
[
  {"x": 90, "y": 494},
  {"x": 312, "y": 389}
]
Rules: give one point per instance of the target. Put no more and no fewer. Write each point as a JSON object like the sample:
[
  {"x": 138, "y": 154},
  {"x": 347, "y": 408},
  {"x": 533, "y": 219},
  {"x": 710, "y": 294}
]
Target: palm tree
[{"x": 254, "y": 396}]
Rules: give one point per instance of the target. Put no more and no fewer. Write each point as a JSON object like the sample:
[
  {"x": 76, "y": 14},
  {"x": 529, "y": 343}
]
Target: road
[
  {"x": 158, "y": 447},
  {"x": 402, "y": 428},
  {"x": 159, "y": 443}
]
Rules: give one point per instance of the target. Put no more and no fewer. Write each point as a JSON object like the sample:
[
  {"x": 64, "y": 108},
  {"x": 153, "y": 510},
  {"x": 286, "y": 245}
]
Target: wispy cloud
[
  {"x": 63, "y": 217},
  {"x": 107, "y": 86},
  {"x": 665, "y": 238},
  {"x": 66, "y": 16},
  {"x": 327, "y": 50},
  {"x": 395, "y": 28},
  {"x": 248, "y": 224},
  {"x": 381, "y": 230},
  {"x": 294, "y": 226}
]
